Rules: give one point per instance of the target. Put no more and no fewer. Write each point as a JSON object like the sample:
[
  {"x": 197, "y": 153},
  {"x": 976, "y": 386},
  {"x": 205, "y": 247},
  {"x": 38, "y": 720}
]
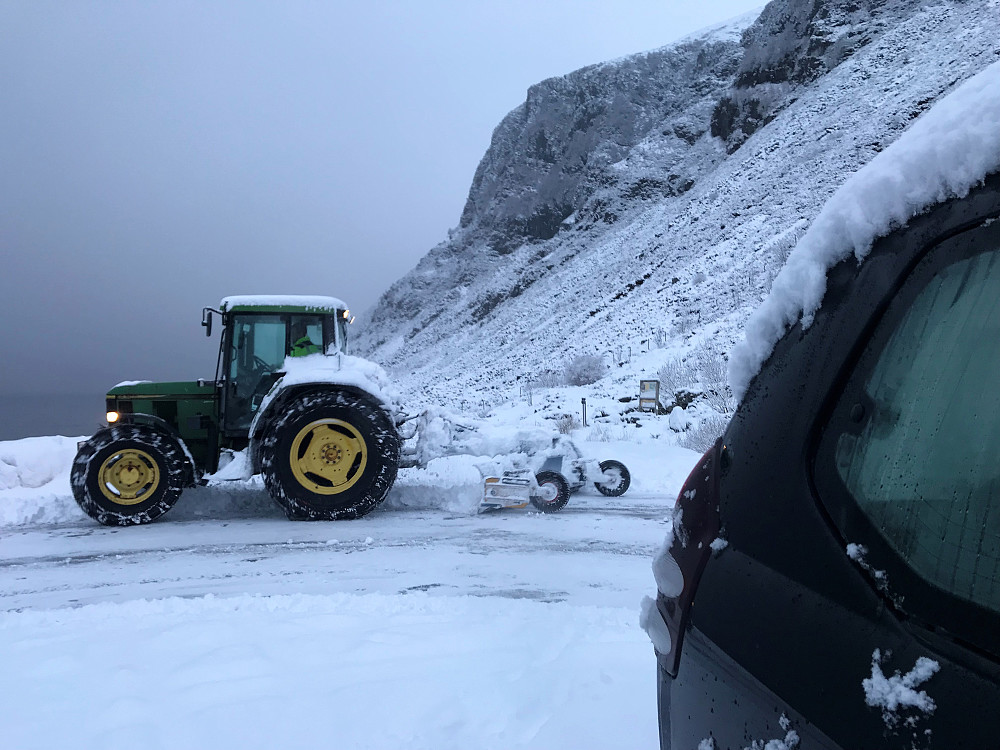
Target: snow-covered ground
[{"x": 224, "y": 625}]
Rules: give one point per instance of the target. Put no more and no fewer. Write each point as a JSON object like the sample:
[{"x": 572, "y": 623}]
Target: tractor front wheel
[
  {"x": 330, "y": 456},
  {"x": 615, "y": 479},
  {"x": 128, "y": 474},
  {"x": 553, "y": 491}
]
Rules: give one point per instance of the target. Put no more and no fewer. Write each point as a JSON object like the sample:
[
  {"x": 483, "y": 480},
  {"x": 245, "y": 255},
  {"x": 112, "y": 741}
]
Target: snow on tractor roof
[
  {"x": 282, "y": 302},
  {"x": 946, "y": 152}
]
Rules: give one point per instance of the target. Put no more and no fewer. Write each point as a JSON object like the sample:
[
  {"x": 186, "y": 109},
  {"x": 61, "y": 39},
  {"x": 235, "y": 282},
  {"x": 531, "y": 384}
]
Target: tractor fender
[
  {"x": 320, "y": 373},
  {"x": 192, "y": 476}
]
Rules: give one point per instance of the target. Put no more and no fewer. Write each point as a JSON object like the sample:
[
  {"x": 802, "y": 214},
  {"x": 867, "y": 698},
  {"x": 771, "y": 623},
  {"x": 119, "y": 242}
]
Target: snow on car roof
[
  {"x": 947, "y": 151},
  {"x": 312, "y": 302}
]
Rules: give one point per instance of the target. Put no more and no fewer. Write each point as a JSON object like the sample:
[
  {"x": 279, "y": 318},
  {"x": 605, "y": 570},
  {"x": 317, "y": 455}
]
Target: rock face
[
  {"x": 653, "y": 198},
  {"x": 553, "y": 153},
  {"x": 793, "y": 43},
  {"x": 580, "y": 151}
]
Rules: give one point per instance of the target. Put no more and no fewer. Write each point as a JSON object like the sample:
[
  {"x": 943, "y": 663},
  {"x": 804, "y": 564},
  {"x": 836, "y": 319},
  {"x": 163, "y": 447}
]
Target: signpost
[{"x": 649, "y": 395}]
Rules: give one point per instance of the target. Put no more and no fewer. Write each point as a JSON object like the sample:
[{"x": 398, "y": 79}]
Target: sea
[{"x": 34, "y": 415}]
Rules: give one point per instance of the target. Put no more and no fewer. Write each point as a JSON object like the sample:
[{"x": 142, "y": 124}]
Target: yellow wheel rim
[
  {"x": 128, "y": 477},
  {"x": 328, "y": 456}
]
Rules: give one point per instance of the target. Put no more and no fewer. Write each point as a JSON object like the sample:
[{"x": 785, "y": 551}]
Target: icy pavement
[
  {"x": 226, "y": 625},
  {"x": 586, "y": 554}
]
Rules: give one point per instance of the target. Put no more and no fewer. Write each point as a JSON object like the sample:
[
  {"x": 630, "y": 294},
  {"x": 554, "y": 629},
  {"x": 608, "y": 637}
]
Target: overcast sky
[{"x": 155, "y": 157}]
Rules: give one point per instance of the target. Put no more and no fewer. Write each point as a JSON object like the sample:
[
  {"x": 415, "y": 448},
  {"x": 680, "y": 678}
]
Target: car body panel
[{"x": 783, "y": 619}]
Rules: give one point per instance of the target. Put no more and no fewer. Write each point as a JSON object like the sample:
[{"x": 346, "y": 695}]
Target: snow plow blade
[{"x": 512, "y": 490}]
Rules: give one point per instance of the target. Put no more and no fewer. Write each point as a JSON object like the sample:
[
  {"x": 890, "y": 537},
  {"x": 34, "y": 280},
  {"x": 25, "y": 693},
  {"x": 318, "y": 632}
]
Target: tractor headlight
[{"x": 112, "y": 417}]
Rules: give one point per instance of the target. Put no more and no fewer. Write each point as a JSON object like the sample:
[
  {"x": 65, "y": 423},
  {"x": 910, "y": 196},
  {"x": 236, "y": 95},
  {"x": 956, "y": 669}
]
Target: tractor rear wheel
[
  {"x": 128, "y": 474},
  {"x": 553, "y": 492},
  {"x": 331, "y": 456}
]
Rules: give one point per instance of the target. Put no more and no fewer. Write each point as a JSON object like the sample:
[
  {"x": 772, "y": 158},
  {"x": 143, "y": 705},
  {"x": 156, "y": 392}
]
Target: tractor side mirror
[{"x": 206, "y": 320}]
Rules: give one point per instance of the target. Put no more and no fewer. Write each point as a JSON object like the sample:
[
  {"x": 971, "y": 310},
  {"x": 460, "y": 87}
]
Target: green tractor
[{"x": 287, "y": 399}]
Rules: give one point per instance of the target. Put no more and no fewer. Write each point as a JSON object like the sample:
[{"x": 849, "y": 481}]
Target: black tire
[
  {"x": 555, "y": 492},
  {"x": 128, "y": 474},
  {"x": 330, "y": 456},
  {"x": 617, "y": 487}
]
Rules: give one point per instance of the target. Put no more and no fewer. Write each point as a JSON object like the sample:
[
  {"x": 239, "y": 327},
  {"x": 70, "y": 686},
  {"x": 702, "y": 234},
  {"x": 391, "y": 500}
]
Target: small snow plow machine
[
  {"x": 520, "y": 466},
  {"x": 563, "y": 471}
]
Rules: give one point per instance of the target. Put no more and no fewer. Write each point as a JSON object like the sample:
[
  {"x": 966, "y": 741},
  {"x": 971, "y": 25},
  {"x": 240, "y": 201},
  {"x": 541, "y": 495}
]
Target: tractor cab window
[
  {"x": 257, "y": 352},
  {"x": 305, "y": 335}
]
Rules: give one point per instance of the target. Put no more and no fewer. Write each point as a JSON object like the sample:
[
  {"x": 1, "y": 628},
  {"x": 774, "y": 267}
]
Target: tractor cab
[{"x": 258, "y": 333}]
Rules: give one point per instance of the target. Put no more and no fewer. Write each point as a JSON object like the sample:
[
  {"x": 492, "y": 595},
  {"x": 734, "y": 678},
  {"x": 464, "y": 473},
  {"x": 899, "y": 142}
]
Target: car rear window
[{"x": 925, "y": 468}]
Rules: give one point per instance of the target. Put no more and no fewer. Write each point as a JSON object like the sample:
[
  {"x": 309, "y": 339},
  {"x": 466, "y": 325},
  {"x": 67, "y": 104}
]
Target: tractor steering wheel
[{"x": 260, "y": 366}]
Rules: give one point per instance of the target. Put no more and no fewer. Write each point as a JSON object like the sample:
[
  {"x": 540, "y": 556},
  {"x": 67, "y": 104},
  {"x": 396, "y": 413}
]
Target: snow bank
[
  {"x": 449, "y": 483},
  {"x": 375, "y": 671},
  {"x": 35, "y": 489},
  {"x": 34, "y": 481},
  {"x": 443, "y": 432},
  {"x": 945, "y": 153}
]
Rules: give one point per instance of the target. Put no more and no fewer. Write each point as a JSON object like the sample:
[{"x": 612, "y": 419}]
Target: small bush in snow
[
  {"x": 714, "y": 376},
  {"x": 673, "y": 376},
  {"x": 546, "y": 380},
  {"x": 566, "y": 423},
  {"x": 703, "y": 437},
  {"x": 584, "y": 370},
  {"x": 601, "y": 434}
]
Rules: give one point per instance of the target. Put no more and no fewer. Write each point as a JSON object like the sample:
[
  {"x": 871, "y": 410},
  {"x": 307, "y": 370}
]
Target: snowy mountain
[{"x": 649, "y": 201}]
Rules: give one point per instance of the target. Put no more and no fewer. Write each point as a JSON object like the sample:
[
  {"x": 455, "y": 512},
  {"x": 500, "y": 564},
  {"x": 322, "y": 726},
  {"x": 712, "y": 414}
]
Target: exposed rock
[
  {"x": 792, "y": 43},
  {"x": 576, "y": 154}
]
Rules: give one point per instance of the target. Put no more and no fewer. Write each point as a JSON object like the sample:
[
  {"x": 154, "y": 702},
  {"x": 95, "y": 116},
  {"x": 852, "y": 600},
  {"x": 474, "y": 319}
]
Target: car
[{"x": 832, "y": 579}]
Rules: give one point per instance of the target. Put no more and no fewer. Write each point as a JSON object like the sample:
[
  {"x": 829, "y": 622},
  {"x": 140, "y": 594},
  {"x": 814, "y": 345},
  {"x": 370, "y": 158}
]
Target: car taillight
[{"x": 678, "y": 567}]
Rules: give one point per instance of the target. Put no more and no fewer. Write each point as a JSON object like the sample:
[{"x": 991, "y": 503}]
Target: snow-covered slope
[
  {"x": 606, "y": 216},
  {"x": 949, "y": 150}
]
